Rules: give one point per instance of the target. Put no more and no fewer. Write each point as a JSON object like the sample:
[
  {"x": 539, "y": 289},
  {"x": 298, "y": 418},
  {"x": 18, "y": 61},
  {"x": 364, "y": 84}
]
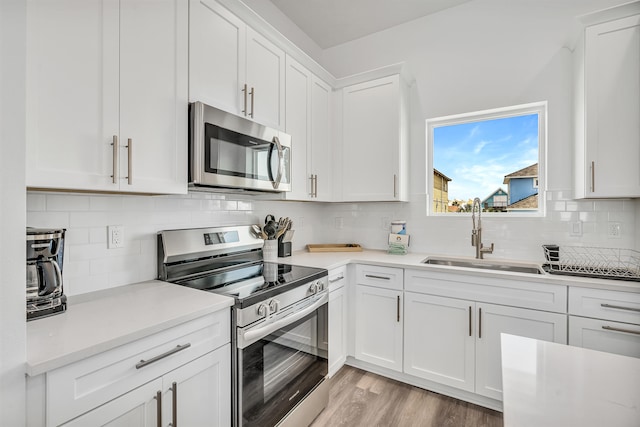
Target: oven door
[{"x": 280, "y": 362}]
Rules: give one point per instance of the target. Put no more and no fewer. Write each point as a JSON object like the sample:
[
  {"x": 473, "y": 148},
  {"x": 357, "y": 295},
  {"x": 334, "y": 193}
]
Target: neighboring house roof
[
  {"x": 528, "y": 172},
  {"x": 530, "y": 202},
  {"x": 437, "y": 172},
  {"x": 494, "y": 193}
]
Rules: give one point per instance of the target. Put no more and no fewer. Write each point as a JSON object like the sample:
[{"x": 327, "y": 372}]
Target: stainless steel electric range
[{"x": 279, "y": 321}]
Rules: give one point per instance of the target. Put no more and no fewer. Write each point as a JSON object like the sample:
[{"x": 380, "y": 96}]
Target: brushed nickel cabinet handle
[
  {"x": 395, "y": 186},
  {"x": 337, "y": 279},
  {"x": 398, "y": 308},
  {"x": 244, "y": 108},
  {"x": 174, "y": 404},
  {"x": 252, "y": 93},
  {"x": 627, "y": 331},
  {"x": 130, "y": 161},
  {"x": 593, "y": 176},
  {"x": 159, "y": 408},
  {"x": 470, "y": 315},
  {"x": 114, "y": 177},
  {"x": 619, "y": 307},
  {"x": 479, "y": 323},
  {"x": 315, "y": 185},
  {"x": 373, "y": 276},
  {"x": 174, "y": 350}
]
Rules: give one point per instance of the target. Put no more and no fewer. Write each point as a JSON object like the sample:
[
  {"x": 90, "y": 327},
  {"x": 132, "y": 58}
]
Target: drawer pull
[
  {"x": 619, "y": 307},
  {"x": 177, "y": 348},
  {"x": 628, "y": 331},
  {"x": 372, "y": 276},
  {"x": 330, "y": 280}
]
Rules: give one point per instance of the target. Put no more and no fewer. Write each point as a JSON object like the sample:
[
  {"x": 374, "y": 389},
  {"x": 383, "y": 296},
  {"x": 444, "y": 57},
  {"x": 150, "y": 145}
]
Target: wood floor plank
[{"x": 359, "y": 398}]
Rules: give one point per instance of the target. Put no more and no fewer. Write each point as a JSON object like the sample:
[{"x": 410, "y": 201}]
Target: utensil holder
[{"x": 270, "y": 250}]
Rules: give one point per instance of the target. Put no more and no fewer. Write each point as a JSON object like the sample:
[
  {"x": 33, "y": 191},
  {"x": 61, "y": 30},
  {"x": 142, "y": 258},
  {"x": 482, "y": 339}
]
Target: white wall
[{"x": 12, "y": 213}]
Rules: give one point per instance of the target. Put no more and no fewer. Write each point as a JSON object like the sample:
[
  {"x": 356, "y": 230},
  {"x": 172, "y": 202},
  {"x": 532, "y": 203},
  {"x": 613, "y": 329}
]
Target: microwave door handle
[{"x": 276, "y": 182}]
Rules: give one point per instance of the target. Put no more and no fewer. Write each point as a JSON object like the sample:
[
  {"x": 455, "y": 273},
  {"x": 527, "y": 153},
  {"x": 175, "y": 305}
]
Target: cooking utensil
[
  {"x": 270, "y": 228},
  {"x": 257, "y": 232}
]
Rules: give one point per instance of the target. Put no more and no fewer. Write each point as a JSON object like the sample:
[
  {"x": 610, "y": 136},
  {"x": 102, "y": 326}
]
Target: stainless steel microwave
[{"x": 228, "y": 151}]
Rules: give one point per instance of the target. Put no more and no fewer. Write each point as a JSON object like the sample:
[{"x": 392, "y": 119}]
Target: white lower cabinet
[
  {"x": 379, "y": 326},
  {"x": 457, "y": 342},
  {"x": 179, "y": 375},
  {"x": 196, "y": 394},
  {"x": 604, "y": 335},
  {"x": 496, "y": 319},
  {"x": 440, "y": 339},
  {"x": 605, "y": 320},
  {"x": 337, "y": 319}
]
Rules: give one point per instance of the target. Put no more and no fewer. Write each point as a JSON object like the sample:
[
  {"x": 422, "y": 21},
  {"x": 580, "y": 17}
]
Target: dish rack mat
[{"x": 592, "y": 261}]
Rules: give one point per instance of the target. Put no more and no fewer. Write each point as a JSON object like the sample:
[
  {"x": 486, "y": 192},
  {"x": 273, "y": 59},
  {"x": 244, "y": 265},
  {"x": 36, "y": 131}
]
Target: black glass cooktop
[{"x": 249, "y": 284}]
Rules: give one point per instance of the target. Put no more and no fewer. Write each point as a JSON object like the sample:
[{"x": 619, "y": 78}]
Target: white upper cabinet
[
  {"x": 608, "y": 110},
  {"x": 374, "y": 141},
  {"x": 307, "y": 119},
  {"x": 234, "y": 68},
  {"x": 107, "y": 95}
]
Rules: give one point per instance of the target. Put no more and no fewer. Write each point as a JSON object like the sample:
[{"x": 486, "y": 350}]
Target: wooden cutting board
[{"x": 335, "y": 247}]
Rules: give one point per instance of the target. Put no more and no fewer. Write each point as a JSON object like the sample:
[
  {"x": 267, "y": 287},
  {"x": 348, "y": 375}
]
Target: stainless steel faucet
[{"x": 476, "y": 232}]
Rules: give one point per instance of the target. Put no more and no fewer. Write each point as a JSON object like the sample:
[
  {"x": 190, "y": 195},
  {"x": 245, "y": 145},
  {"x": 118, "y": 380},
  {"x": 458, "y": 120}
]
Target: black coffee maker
[{"x": 45, "y": 250}]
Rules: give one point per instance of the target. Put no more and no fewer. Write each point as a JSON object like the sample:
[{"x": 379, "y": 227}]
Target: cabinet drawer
[
  {"x": 605, "y": 304},
  {"x": 77, "y": 388},
  {"x": 337, "y": 278},
  {"x": 515, "y": 292},
  {"x": 381, "y": 277},
  {"x": 604, "y": 335}
]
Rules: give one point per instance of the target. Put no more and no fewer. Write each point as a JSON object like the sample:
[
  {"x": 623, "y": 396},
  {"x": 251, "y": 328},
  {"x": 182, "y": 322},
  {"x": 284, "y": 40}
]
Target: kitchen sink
[{"x": 485, "y": 265}]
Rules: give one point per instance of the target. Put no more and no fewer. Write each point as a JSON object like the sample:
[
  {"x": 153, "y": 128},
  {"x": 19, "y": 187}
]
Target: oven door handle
[{"x": 248, "y": 337}]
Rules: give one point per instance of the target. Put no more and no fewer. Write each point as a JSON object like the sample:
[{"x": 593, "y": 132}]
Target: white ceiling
[{"x": 333, "y": 22}]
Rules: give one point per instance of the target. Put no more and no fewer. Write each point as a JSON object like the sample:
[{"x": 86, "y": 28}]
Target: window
[{"x": 495, "y": 155}]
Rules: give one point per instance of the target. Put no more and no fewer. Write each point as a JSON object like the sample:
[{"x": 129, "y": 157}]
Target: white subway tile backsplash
[
  {"x": 67, "y": 203},
  {"x": 90, "y": 266}
]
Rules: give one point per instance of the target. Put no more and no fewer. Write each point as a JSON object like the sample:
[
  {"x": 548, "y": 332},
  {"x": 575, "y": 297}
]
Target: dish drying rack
[{"x": 607, "y": 263}]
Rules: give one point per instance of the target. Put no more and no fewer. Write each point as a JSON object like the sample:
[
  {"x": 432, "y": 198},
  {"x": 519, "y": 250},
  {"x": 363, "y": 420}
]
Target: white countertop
[
  {"x": 549, "y": 384},
  {"x": 330, "y": 260},
  {"x": 102, "y": 320}
]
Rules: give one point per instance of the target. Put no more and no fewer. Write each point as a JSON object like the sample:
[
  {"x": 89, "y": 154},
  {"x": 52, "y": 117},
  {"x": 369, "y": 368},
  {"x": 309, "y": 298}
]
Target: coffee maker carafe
[{"x": 45, "y": 250}]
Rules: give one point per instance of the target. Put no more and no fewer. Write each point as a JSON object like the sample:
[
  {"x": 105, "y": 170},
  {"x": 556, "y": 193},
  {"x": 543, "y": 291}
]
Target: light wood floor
[{"x": 360, "y": 398}]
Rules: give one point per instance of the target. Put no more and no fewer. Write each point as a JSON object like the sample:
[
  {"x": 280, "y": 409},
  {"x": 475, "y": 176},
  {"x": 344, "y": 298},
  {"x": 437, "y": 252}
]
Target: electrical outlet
[
  {"x": 339, "y": 222},
  {"x": 576, "y": 228},
  {"x": 115, "y": 236},
  {"x": 614, "y": 230}
]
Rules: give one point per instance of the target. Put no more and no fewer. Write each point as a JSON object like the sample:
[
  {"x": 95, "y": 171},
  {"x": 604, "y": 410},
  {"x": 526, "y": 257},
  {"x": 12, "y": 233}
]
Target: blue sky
[{"x": 477, "y": 155}]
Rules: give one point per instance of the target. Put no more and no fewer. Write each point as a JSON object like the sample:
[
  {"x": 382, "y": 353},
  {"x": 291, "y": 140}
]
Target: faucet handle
[{"x": 486, "y": 250}]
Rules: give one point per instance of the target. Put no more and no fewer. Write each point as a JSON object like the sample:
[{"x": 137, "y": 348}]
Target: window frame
[{"x": 539, "y": 108}]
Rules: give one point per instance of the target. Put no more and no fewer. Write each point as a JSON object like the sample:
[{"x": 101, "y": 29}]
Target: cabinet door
[
  {"x": 216, "y": 56},
  {"x": 379, "y": 327},
  {"x": 266, "y": 81},
  {"x": 320, "y": 164},
  {"x": 612, "y": 89},
  {"x": 137, "y": 408},
  {"x": 153, "y": 96},
  {"x": 199, "y": 393},
  {"x": 496, "y": 319},
  {"x": 603, "y": 335},
  {"x": 72, "y": 93},
  {"x": 440, "y": 339},
  {"x": 337, "y": 330},
  {"x": 298, "y": 116},
  {"x": 371, "y": 140}
]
